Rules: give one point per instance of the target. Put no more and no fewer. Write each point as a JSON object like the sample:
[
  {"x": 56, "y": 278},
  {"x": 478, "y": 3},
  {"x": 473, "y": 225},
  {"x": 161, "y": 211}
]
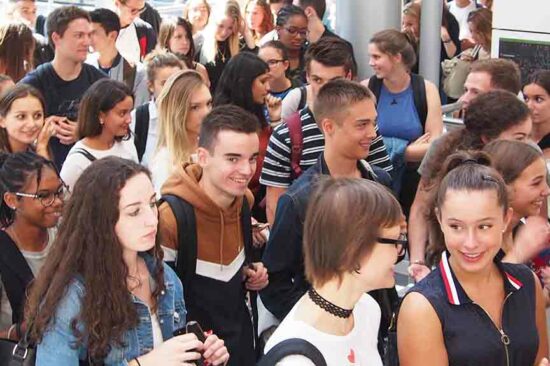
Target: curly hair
[{"x": 87, "y": 248}]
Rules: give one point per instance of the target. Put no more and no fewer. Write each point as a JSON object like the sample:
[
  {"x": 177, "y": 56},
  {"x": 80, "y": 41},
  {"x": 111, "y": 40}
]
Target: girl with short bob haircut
[
  {"x": 103, "y": 128},
  {"x": 480, "y": 23},
  {"x": 183, "y": 103},
  {"x": 473, "y": 308},
  {"x": 536, "y": 93},
  {"x": 16, "y": 50},
  {"x": 105, "y": 293},
  {"x": 343, "y": 260},
  {"x": 176, "y": 36},
  {"x": 32, "y": 200},
  {"x": 22, "y": 125}
]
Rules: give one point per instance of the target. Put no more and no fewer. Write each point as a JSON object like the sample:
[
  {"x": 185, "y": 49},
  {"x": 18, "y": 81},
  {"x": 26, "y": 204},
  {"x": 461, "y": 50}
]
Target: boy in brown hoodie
[{"x": 215, "y": 187}]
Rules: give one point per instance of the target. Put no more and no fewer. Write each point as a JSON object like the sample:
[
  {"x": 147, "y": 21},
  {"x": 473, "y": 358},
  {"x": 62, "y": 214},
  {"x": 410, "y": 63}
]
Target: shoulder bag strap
[
  {"x": 294, "y": 124},
  {"x": 293, "y": 346}
]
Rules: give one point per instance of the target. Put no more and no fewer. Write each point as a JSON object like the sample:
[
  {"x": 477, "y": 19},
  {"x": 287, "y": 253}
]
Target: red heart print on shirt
[{"x": 351, "y": 356}]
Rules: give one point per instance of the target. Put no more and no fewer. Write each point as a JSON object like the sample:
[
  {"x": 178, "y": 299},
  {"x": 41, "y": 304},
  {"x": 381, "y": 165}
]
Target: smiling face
[
  {"x": 225, "y": 28},
  {"x": 529, "y": 191},
  {"x": 180, "y": 42},
  {"x": 231, "y": 164},
  {"x": 260, "y": 88},
  {"x": 23, "y": 121},
  {"x": 352, "y": 135},
  {"x": 382, "y": 63},
  {"x": 136, "y": 227},
  {"x": 116, "y": 122},
  {"x": 31, "y": 210},
  {"x": 75, "y": 42},
  {"x": 538, "y": 101},
  {"x": 473, "y": 233},
  {"x": 25, "y": 11},
  {"x": 377, "y": 268}
]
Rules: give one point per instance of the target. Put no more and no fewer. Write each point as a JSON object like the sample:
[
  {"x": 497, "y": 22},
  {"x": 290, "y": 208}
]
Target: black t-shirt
[
  {"x": 62, "y": 97},
  {"x": 544, "y": 143}
]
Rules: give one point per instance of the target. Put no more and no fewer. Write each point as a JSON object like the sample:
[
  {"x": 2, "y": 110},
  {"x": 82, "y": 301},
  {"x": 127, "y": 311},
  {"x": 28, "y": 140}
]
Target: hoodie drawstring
[{"x": 221, "y": 239}]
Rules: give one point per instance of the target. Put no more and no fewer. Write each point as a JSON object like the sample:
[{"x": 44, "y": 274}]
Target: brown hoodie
[{"x": 219, "y": 233}]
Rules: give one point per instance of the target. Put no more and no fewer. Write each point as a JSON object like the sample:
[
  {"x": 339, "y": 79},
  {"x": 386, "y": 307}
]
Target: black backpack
[
  {"x": 293, "y": 346},
  {"x": 141, "y": 129},
  {"x": 419, "y": 94}
]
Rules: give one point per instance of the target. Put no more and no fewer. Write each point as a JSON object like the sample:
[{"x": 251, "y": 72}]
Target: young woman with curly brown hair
[{"x": 104, "y": 293}]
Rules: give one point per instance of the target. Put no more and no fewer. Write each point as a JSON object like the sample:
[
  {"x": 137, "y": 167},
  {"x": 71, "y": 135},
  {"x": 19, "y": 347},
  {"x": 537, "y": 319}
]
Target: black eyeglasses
[
  {"x": 46, "y": 198},
  {"x": 293, "y": 31},
  {"x": 402, "y": 243},
  {"x": 274, "y": 62}
]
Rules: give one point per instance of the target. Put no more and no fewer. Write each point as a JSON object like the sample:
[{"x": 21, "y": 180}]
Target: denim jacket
[{"x": 56, "y": 345}]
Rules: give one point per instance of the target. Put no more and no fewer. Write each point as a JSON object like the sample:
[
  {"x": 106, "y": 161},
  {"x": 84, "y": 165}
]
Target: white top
[
  {"x": 35, "y": 260},
  {"x": 157, "y": 332},
  {"x": 152, "y": 133},
  {"x": 161, "y": 167},
  {"x": 76, "y": 162},
  {"x": 291, "y": 102},
  {"x": 461, "y": 15},
  {"x": 127, "y": 44},
  {"x": 357, "y": 348}
]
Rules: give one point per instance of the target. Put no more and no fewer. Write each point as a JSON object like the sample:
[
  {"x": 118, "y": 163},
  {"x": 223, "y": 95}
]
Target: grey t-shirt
[{"x": 432, "y": 151}]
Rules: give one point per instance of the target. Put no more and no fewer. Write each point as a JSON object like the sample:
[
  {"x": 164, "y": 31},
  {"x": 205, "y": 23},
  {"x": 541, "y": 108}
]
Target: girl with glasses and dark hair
[
  {"x": 103, "y": 128},
  {"x": 176, "y": 36},
  {"x": 344, "y": 258},
  {"x": 32, "y": 201},
  {"x": 275, "y": 54},
  {"x": 22, "y": 125},
  {"x": 473, "y": 308},
  {"x": 104, "y": 293}
]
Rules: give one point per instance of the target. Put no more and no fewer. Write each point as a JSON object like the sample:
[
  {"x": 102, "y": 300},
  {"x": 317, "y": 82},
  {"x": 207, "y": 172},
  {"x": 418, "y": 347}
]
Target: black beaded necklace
[{"x": 327, "y": 305}]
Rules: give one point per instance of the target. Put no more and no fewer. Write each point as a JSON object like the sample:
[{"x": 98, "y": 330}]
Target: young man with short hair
[
  {"x": 346, "y": 113},
  {"x": 63, "y": 81},
  {"x": 105, "y": 29},
  {"x": 328, "y": 59},
  {"x": 136, "y": 37},
  {"x": 215, "y": 190}
]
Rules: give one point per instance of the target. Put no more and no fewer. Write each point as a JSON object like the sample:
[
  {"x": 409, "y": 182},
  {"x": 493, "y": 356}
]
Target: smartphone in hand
[{"x": 195, "y": 328}]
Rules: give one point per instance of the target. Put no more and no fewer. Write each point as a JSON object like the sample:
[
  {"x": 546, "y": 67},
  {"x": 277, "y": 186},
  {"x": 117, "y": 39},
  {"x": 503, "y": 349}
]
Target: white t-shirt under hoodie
[
  {"x": 357, "y": 348},
  {"x": 76, "y": 162}
]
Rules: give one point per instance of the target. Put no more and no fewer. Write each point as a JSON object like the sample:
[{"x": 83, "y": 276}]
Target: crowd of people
[{"x": 221, "y": 189}]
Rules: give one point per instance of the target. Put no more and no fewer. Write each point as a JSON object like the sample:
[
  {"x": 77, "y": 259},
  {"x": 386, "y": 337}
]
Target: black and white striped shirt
[{"x": 276, "y": 167}]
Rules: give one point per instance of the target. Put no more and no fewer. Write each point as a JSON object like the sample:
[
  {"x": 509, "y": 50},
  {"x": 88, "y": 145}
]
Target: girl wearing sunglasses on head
[
  {"x": 32, "y": 200},
  {"x": 344, "y": 258}
]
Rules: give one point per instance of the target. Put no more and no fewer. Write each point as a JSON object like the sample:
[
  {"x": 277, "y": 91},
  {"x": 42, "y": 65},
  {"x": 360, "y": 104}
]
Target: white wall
[{"x": 522, "y": 15}]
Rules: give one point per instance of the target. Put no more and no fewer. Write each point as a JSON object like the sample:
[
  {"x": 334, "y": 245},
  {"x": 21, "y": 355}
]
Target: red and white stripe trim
[{"x": 448, "y": 280}]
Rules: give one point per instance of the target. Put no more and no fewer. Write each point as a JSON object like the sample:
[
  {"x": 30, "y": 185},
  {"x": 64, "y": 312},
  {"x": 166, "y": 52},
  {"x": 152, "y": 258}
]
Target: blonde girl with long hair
[
  {"x": 182, "y": 105},
  {"x": 221, "y": 39}
]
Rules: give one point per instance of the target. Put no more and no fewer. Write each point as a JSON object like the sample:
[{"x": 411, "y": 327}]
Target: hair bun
[{"x": 464, "y": 158}]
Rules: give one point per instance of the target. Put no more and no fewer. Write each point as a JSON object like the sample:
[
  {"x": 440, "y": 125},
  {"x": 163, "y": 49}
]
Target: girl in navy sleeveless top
[{"x": 473, "y": 309}]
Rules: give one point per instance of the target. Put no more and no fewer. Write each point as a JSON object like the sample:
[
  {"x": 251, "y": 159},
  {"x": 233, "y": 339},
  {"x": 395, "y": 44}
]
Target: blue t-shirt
[{"x": 397, "y": 115}]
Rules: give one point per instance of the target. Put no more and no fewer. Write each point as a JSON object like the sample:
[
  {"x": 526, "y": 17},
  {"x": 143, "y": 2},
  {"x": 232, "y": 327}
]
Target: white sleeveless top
[{"x": 357, "y": 348}]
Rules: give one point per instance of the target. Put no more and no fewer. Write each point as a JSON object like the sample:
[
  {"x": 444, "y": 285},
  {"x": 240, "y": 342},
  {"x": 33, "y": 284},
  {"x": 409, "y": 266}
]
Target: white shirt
[
  {"x": 357, "y": 348},
  {"x": 76, "y": 162},
  {"x": 127, "y": 44},
  {"x": 461, "y": 15},
  {"x": 152, "y": 133},
  {"x": 161, "y": 168}
]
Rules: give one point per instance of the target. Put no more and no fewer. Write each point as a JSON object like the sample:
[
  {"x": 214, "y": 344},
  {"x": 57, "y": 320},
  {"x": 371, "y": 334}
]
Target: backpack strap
[
  {"x": 303, "y": 97},
  {"x": 293, "y": 346},
  {"x": 86, "y": 154},
  {"x": 141, "y": 129},
  {"x": 375, "y": 86},
  {"x": 186, "y": 260},
  {"x": 420, "y": 99},
  {"x": 16, "y": 275},
  {"x": 294, "y": 124},
  {"x": 128, "y": 74}
]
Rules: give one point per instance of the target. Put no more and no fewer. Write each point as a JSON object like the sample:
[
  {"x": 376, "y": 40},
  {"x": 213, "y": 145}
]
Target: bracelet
[
  {"x": 419, "y": 261},
  {"x": 137, "y": 361}
]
